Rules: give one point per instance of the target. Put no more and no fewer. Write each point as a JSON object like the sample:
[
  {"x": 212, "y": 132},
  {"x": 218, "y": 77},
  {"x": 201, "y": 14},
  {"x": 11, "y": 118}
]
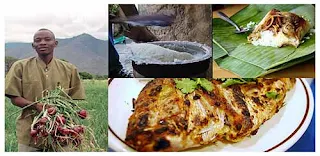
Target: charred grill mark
[
  {"x": 176, "y": 99},
  {"x": 204, "y": 122},
  {"x": 254, "y": 132},
  {"x": 239, "y": 99},
  {"x": 183, "y": 124},
  {"x": 238, "y": 127},
  {"x": 161, "y": 144},
  {"x": 134, "y": 134},
  {"x": 187, "y": 102},
  {"x": 238, "y": 96},
  {"x": 129, "y": 137},
  {"x": 268, "y": 82},
  {"x": 257, "y": 101},
  {"x": 155, "y": 91},
  {"x": 245, "y": 113},
  {"x": 196, "y": 97},
  {"x": 172, "y": 131},
  {"x": 158, "y": 88},
  {"x": 226, "y": 121},
  {"x": 264, "y": 120},
  {"x": 268, "y": 88},
  {"x": 145, "y": 104},
  {"x": 197, "y": 121},
  {"x": 217, "y": 103},
  {"x": 237, "y": 92},
  {"x": 211, "y": 115},
  {"x": 211, "y": 94},
  {"x": 161, "y": 130},
  {"x": 143, "y": 121},
  {"x": 149, "y": 84}
]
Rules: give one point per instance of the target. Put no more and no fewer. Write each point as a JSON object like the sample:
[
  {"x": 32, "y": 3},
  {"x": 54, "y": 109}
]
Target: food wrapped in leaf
[
  {"x": 232, "y": 51},
  {"x": 278, "y": 29}
]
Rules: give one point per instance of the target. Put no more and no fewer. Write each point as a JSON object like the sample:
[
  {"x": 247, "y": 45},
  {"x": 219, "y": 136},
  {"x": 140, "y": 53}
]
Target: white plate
[{"x": 277, "y": 134}]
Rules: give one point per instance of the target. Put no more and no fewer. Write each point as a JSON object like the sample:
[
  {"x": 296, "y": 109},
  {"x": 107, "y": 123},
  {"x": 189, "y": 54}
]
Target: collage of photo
[{"x": 161, "y": 78}]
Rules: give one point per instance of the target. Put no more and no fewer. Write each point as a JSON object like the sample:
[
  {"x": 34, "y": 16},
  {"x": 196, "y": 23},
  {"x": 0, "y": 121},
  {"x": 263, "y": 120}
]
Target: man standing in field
[{"x": 28, "y": 78}]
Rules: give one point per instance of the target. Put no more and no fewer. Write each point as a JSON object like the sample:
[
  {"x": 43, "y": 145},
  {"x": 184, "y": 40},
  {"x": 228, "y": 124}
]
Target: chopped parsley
[
  {"x": 187, "y": 85},
  {"x": 232, "y": 81},
  {"x": 272, "y": 95}
]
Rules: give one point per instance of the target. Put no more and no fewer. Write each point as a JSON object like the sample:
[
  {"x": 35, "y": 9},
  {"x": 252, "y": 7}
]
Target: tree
[
  {"x": 101, "y": 77},
  {"x": 8, "y": 62},
  {"x": 85, "y": 75}
]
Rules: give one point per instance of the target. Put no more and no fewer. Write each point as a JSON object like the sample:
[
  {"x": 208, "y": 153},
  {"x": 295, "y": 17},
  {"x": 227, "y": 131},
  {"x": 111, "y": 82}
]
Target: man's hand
[
  {"x": 38, "y": 107},
  {"x": 22, "y": 102}
]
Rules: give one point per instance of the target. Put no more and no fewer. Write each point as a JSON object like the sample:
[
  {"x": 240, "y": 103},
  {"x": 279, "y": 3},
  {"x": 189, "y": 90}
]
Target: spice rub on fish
[
  {"x": 166, "y": 119},
  {"x": 278, "y": 28}
]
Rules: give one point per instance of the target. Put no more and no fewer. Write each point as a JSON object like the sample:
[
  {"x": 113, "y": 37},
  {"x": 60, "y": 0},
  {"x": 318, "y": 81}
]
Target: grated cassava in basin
[{"x": 195, "y": 67}]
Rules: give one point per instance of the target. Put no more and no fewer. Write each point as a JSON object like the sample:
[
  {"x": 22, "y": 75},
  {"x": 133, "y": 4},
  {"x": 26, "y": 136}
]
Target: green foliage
[
  {"x": 101, "y": 77},
  {"x": 187, "y": 85},
  {"x": 232, "y": 81},
  {"x": 85, "y": 75},
  {"x": 204, "y": 83},
  {"x": 272, "y": 95},
  {"x": 114, "y": 8},
  {"x": 11, "y": 144},
  {"x": 8, "y": 62}
]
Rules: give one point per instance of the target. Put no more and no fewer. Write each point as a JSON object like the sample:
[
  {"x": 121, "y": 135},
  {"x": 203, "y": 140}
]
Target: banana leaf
[
  {"x": 232, "y": 52},
  {"x": 218, "y": 50},
  {"x": 247, "y": 70}
]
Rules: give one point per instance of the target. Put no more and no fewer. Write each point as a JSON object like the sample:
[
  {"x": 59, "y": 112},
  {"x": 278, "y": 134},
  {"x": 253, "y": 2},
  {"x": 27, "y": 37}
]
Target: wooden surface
[{"x": 305, "y": 69}]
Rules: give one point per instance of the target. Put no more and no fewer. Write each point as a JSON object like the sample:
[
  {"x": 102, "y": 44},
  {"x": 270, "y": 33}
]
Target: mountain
[{"x": 86, "y": 52}]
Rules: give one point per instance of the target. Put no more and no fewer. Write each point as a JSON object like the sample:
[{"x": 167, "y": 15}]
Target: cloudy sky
[{"x": 65, "y": 18}]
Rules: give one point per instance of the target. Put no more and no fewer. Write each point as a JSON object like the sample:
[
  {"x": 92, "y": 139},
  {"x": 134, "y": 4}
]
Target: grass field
[{"x": 95, "y": 104}]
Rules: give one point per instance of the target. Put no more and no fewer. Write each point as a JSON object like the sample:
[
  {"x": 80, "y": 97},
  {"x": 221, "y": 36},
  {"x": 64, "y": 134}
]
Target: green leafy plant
[
  {"x": 114, "y": 8},
  {"x": 272, "y": 95},
  {"x": 187, "y": 85},
  {"x": 232, "y": 81}
]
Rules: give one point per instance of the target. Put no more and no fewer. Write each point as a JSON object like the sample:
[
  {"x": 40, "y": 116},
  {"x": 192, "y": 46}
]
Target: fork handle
[{"x": 227, "y": 19}]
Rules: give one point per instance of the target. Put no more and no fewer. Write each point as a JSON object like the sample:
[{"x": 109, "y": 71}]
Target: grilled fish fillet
[
  {"x": 165, "y": 119},
  {"x": 278, "y": 29}
]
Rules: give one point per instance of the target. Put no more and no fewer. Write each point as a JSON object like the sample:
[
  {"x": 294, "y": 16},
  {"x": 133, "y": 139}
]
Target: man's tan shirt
[{"x": 28, "y": 78}]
